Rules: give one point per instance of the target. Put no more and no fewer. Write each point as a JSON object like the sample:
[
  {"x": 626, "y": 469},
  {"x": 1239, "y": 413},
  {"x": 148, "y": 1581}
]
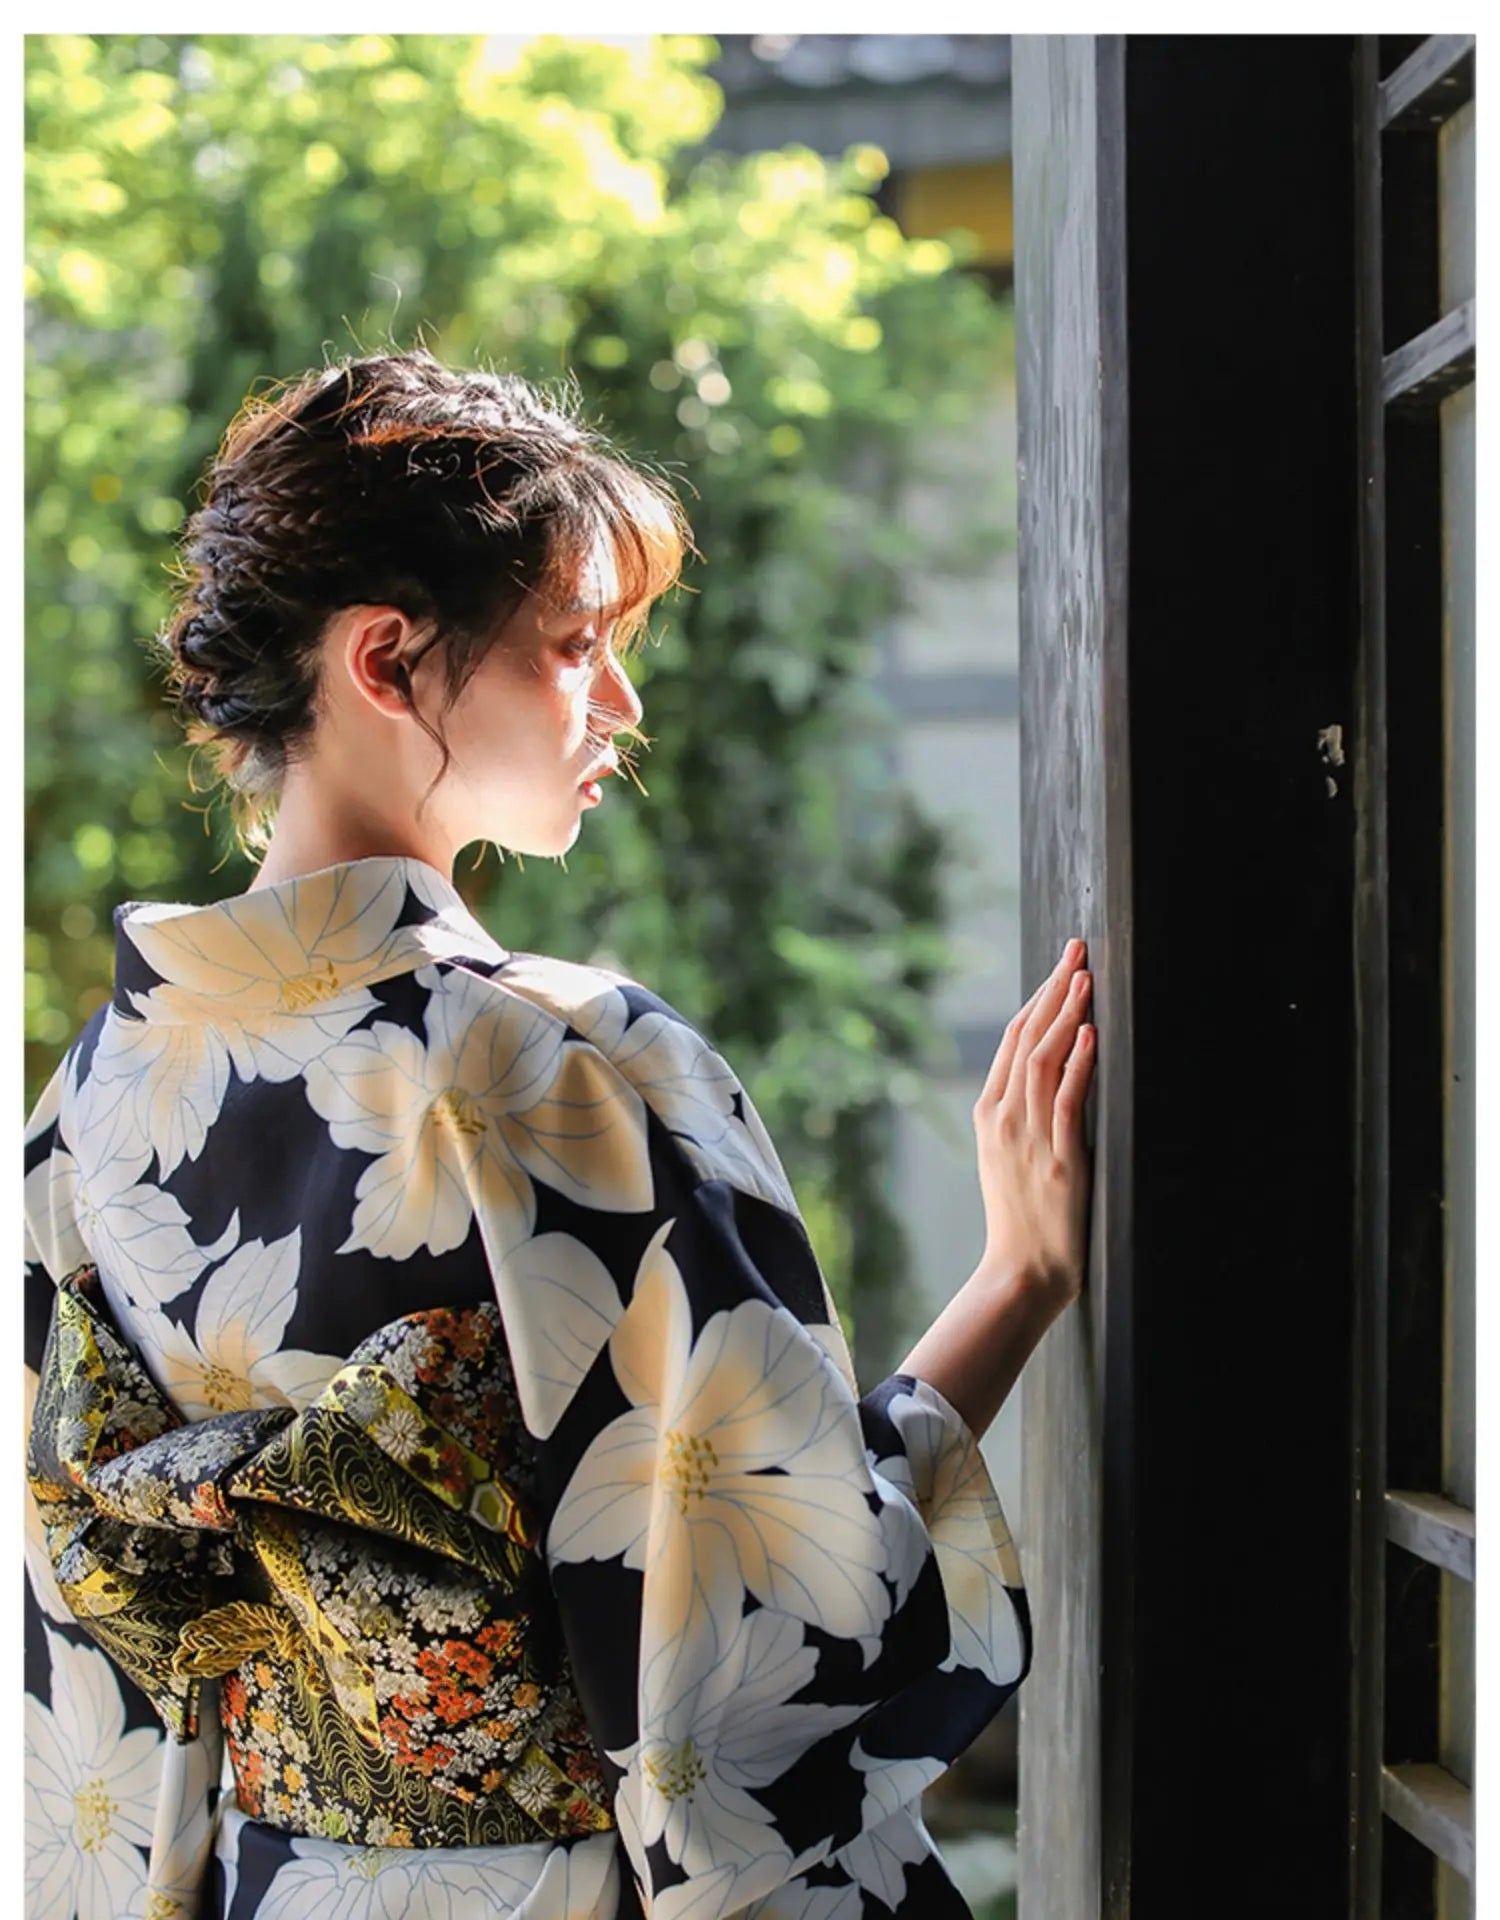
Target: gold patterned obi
[{"x": 363, "y": 1577}]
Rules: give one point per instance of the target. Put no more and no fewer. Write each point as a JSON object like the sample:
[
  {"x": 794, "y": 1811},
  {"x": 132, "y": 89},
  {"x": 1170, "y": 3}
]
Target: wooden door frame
[{"x": 1189, "y": 602}]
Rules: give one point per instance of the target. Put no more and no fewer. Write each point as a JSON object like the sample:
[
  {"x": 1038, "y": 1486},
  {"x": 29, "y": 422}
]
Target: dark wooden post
[
  {"x": 1189, "y": 614},
  {"x": 1072, "y": 444}
]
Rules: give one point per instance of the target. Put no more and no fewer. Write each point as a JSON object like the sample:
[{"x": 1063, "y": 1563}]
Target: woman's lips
[{"x": 590, "y": 789}]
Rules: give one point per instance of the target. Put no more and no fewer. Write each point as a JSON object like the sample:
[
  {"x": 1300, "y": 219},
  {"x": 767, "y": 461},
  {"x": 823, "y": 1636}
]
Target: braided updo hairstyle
[{"x": 390, "y": 480}]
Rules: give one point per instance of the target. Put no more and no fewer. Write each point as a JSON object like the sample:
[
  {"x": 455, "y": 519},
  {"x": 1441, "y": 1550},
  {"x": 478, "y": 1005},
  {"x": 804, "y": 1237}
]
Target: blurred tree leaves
[{"x": 207, "y": 213}]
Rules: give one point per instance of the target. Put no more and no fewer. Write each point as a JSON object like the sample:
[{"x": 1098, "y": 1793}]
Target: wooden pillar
[
  {"x": 1072, "y": 442},
  {"x": 1189, "y": 615}
]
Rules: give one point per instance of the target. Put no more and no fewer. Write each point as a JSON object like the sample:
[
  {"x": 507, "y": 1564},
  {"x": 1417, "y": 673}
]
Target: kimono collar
[{"x": 282, "y": 950}]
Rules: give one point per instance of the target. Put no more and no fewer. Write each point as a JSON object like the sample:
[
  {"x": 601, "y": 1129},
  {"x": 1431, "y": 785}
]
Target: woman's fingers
[
  {"x": 1044, "y": 1064},
  {"x": 1034, "y": 1169},
  {"x": 1067, "y": 1109},
  {"x": 1028, "y": 1025},
  {"x": 999, "y": 1073}
]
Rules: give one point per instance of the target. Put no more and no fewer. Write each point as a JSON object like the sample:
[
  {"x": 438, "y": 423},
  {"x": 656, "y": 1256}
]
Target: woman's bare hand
[{"x": 1034, "y": 1165}]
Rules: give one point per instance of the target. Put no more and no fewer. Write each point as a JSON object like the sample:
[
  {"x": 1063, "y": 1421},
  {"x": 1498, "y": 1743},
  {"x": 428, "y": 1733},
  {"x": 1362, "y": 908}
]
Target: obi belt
[{"x": 360, "y": 1576}]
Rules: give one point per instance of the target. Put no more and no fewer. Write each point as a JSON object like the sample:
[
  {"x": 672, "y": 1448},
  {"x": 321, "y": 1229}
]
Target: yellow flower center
[
  {"x": 676, "y": 1772},
  {"x": 457, "y": 1111},
  {"x": 686, "y": 1467},
  {"x": 162, "y": 1906},
  {"x": 365, "y": 1864},
  {"x": 93, "y": 1812},
  {"x": 224, "y": 1391},
  {"x": 299, "y": 990}
]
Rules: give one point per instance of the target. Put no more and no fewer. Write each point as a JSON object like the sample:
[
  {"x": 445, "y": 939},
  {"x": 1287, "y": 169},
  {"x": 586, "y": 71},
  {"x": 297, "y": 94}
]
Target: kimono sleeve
[
  {"x": 787, "y": 1607},
  {"x": 117, "y": 1815}
]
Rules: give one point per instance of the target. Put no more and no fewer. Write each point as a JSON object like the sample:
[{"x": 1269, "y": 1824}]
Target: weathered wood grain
[{"x": 1075, "y": 803}]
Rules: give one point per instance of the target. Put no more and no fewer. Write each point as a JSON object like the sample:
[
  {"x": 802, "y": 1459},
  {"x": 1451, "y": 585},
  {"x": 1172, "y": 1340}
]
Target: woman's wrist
[
  {"x": 1046, "y": 1292},
  {"x": 975, "y": 1349}
]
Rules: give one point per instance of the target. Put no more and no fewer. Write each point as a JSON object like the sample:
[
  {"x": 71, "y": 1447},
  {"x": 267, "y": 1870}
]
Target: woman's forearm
[{"x": 974, "y": 1351}]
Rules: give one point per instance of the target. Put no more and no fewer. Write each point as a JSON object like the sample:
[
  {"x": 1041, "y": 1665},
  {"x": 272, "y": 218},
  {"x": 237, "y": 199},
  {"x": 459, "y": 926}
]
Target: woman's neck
[{"x": 316, "y": 828}]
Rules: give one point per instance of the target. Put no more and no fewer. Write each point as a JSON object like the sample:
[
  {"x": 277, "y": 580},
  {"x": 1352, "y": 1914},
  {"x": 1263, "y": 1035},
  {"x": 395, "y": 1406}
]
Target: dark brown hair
[{"x": 389, "y": 480}]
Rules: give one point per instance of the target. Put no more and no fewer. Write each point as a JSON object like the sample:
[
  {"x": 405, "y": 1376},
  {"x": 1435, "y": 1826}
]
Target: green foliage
[{"x": 206, "y": 213}]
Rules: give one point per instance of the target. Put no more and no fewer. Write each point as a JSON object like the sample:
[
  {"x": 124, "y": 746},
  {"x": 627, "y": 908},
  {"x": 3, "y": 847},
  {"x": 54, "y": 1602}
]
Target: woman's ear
[{"x": 372, "y": 643}]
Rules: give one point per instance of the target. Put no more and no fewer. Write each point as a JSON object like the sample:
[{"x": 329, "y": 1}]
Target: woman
[{"x": 441, "y": 1422}]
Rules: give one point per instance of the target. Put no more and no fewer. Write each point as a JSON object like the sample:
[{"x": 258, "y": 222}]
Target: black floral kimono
[{"x": 452, "y": 1496}]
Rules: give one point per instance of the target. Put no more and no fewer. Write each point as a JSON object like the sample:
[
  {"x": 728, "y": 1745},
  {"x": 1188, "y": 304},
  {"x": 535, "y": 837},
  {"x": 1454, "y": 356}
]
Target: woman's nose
[{"x": 620, "y": 695}]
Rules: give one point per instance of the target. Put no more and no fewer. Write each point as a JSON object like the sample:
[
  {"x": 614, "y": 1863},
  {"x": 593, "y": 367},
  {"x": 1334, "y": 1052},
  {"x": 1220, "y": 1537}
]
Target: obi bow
[{"x": 368, "y": 1542}]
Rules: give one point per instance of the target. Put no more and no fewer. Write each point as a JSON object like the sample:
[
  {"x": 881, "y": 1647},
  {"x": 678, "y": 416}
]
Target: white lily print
[
  {"x": 233, "y": 1358},
  {"x": 878, "y": 1859},
  {"x": 892, "y": 1835},
  {"x": 721, "y": 1896},
  {"x": 326, "y": 1880},
  {"x": 679, "y": 1486},
  {"x": 463, "y": 1124},
  {"x": 950, "y": 1486},
  {"x": 265, "y": 982},
  {"x": 908, "y": 1546},
  {"x": 798, "y": 1901},
  {"x": 672, "y": 1066},
  {"x": 272, "y": 977},
  {"x": 90, "y": 1794},
  {"x": 560, "y": 1307},
  {"x": 109, "y": 1213},
  {"x": 182, "y": 1838},
  {"x": 256, "y": 950},
  {"x": 157, "y": 1087},
  {"x": 455, "y": 928},
  {"x": 690, "y": 1778}
]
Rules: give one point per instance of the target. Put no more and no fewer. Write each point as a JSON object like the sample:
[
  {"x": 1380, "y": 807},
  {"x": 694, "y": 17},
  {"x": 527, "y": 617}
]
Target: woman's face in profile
[{"x": 536, "y": 719}]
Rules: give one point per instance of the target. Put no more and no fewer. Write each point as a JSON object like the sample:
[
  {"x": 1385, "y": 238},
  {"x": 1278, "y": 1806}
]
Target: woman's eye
[{"x": 586, "y": 646}]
